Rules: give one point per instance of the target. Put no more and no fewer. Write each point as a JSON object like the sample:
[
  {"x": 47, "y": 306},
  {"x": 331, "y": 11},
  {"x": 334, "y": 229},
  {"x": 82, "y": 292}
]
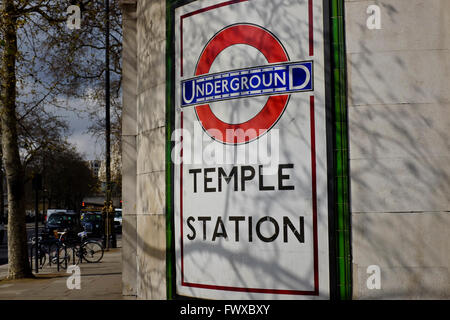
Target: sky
[
  {"x": 90, "y": 147},
  {"x": 86, "y": 144}
]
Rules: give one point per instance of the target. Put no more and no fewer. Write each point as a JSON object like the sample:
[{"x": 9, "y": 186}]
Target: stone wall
[
  {"x": 144, "y": 149},
  {"x": 129, "y": 133},
  {"x": 399, "y": 97},
  {"x": 399, "y": 120}
]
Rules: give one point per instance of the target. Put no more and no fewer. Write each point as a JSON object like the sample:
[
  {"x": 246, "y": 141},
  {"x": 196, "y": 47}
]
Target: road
[{"x": 4, "y": 246}]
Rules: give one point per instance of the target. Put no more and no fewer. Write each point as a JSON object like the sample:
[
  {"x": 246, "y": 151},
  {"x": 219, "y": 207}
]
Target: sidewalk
[{"x": 99, "y": 281}]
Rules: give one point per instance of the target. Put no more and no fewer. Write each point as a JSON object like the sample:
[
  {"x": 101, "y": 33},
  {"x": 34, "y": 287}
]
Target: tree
[
  {"x": 17, "y": 236},
  {"x": 67, "y": 178},
  {"x": 87, "y": 80},
  {"x": 116, "y": 169},
  {"x": 36, "y": 48}
]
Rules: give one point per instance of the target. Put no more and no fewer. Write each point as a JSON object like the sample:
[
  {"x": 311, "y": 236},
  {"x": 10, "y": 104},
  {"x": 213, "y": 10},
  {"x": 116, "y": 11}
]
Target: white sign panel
[{"x": 251, "y": 215}]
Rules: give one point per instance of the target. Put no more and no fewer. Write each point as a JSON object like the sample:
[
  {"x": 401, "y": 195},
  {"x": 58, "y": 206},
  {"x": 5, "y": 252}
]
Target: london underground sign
[
  {"x": 249, "y": 76},
  {"x": 274, "y": 79}
]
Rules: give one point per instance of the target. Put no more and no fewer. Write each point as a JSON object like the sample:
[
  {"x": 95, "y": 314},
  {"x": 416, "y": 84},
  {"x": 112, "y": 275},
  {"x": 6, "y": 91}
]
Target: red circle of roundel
[{"x": 273, "y": 51}]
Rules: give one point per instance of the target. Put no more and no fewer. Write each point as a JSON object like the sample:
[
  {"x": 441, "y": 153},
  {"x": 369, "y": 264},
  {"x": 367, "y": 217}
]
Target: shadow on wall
[
  {"x": 400, "y": 178},
  {"x": 399, "y": 148},
  {"x": 151, "y": 247}
]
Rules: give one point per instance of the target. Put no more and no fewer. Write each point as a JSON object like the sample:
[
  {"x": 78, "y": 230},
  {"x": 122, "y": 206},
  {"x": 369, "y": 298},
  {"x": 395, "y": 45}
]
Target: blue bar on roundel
[{"x": 265, "y": 80}]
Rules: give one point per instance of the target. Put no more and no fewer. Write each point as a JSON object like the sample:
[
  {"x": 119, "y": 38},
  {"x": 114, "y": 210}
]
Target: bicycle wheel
[
  {"x": 64, "y": 255},
  {"x": 92, "y": 251},
  {"x": 77, "y": 254},
  {"x": 52, "y": 252},
  {"x": 41, "y": 257}
]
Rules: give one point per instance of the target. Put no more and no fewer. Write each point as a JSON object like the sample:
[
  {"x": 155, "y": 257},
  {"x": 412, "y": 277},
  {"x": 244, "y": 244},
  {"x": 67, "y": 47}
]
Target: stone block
[
  {"x": 151, "y": 193},
  {"x": 411, "y": 250},
  {"x": 400, "y": 184},
  {"x": 151, "y": 257},
  {"x": 129, "y": 76},
  {"x": 151, "y": 20},
  {"x": 152, "y": 65},
  {"x": 152, "y": 108},
  {"x": 129, "y": 244},
  {"x": 410, "y": 131},
  {"x": 129, "y": 184},
  {"x": 151, "y": 26},
  {"x": 405, "y": 25},
  {"x": 151, "y": 150},
  {"x": 398, "y": 77}
]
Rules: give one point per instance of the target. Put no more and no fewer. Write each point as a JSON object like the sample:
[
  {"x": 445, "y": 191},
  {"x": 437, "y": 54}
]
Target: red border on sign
[{"x": 315, "y": 292}]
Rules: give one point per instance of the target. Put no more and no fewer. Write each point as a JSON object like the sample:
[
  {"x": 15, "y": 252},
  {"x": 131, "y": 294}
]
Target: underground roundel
[{"x": 277, "y": 80}]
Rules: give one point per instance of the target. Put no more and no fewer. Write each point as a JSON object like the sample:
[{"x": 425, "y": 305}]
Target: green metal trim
[
  {"x": 170, "y": 244},
  {"x": 342, "y": 195},
  {"x": 170, "y": 126}
]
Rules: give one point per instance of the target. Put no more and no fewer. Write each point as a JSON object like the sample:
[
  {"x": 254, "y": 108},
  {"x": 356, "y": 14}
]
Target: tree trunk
[
  {"x": 17, "y": 236},
  {"x": 2, "y": 190}
]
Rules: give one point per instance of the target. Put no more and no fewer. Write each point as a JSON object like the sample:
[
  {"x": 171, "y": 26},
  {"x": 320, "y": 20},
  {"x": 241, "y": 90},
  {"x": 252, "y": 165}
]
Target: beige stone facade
[
  {"x": 399, "y": 120},
  {"x": 144, "y": 225}
]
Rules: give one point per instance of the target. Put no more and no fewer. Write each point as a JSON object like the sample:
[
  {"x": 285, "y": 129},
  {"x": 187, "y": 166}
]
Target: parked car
[
  {"x": 62, "y": 221},
  {"x": 118, "y": 220},
  {"x": 52, "y": 211},
  {"x": 92, "y": 223}
]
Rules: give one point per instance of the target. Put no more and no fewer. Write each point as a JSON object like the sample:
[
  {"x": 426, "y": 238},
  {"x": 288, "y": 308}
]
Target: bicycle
[
  {"x": 45, "y": 247},
  {"x": 83, "y": 249}
]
